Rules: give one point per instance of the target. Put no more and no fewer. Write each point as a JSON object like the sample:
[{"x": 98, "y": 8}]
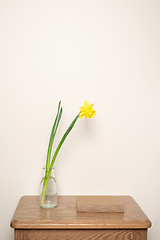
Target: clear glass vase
[{"x": 48, "y": 191}]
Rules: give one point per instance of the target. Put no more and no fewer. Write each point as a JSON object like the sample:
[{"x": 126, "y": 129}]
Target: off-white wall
[{"x": 105, "y": 51}]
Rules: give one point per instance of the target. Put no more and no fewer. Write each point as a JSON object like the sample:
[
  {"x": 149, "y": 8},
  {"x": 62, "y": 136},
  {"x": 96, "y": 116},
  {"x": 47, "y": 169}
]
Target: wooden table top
[{"x": 29, "y": 215}]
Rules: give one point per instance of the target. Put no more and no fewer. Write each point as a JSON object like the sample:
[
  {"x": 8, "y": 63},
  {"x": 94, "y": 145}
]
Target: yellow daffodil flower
[{"x": 87, "y": 110}]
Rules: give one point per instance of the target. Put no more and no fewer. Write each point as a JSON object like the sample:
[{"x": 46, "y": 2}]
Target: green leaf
[
  {"x": 53, "y": 133},
  {"x": 61, "y": 142}
]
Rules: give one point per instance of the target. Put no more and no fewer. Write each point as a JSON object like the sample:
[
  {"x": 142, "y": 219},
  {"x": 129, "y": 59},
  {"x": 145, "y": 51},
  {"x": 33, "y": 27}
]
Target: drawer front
[{"x": 110, "y": 234}]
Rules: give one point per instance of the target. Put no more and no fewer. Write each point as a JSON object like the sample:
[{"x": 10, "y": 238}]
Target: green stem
[
  {"x": 61, "y": 142},
  {"x": 48, "y": 171},
  {"x": 45, "y": 184},
  {"x": 53, "y": 133}
]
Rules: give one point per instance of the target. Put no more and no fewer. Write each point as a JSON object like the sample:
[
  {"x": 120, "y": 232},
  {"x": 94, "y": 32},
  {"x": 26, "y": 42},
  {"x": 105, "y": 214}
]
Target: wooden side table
[{"x": 65, "y": 223}]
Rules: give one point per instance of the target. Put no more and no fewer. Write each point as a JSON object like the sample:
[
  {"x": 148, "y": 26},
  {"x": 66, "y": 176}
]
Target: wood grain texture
[
  {"x": 81, "y": 234},
  {"x": 29, "y": 215},
  {"x": 99, "y": 204}
]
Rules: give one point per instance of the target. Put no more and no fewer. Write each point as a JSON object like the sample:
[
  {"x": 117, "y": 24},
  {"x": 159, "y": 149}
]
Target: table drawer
[{"x": 109, "y": 234}]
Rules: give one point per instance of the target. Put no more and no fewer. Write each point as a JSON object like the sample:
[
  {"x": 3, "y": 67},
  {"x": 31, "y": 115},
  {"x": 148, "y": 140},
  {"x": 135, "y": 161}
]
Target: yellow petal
[
  {"x": 91, "y": 105},
  {"x": 86, "y": 104},
  {"x": 81, "y": 115},
  {"x": 82, "y": 109}
]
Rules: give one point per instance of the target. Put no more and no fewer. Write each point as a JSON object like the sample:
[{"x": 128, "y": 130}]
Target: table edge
[{"x": 21, "y": 224}]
